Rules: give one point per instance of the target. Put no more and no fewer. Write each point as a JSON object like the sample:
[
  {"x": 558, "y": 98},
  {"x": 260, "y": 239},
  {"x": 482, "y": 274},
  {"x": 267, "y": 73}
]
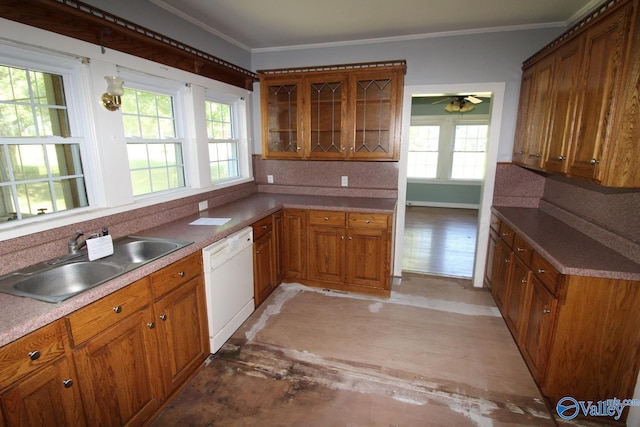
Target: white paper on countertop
[
  {"x": 99, "y": 247},
  {"x": 210, "y": 221}
]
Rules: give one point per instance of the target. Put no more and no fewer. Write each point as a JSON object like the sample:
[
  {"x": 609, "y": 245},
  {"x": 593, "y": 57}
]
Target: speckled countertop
[
  {"x": 567, "y": 249},
  {"x": 20, "y": 316}
]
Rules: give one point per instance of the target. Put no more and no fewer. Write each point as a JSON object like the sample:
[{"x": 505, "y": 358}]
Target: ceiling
[{"x": 280, "y": 24}]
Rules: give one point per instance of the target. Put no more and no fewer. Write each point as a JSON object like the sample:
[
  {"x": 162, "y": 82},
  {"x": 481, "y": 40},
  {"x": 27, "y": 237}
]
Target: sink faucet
[{"x": 73, "y": 245}]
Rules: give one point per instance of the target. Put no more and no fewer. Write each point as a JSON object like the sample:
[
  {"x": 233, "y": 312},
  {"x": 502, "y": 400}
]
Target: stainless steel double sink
[{"x": 61, "y": 278}]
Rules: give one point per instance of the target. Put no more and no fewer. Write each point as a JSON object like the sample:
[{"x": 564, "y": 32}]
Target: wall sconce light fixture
[{"x": 111, "y": 99}]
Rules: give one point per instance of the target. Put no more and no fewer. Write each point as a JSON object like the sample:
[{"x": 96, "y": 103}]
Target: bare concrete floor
[{"x": 437, "y": 353}]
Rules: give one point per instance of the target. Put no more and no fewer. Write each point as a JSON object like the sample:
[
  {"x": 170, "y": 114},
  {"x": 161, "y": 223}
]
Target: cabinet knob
[
  {"x": 163, "y": 317},
  {"x": 34, "y": 355},
  {"x": 264, "y": 227},
  {"x": 594, "y": 161},
  {"x": 67, "y": 383},
  {"x": 523, "y": 280},
  {"x": 561, "y": 158},
  {"x": 538, "y": 155},
  {"x": 507, "y": 260},
  {"x": 299, "y": 148},
  {"x": 341, "y": 237},
  {"x": 181, "y": 274},
  {"x": 326, "y": 218},
  {"x": 520, "y": 249},
  {"x": 504, "y": 234},
  {"x": 151, "y": 325},
  {"x": 117, "y": 309},
  {"x": 257, "y": 252},
  {"x": 540, "y": 270},
  {"x": 350, "y": 238},
  {"x": 368, "y": 222},
  {"x": 546, "y": 311}
]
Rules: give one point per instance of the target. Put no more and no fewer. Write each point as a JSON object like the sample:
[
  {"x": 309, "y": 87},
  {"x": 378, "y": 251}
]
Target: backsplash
[
  {"x": 27, "y": 250},
  {"x": 324, "y": 178},
  {"x": 609, "y": 215}
]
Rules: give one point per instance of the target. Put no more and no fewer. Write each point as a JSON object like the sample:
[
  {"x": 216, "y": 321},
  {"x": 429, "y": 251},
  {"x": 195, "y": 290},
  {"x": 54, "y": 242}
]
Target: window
[
  {"x": 423, "y": 151},
  {"x": 223, "y": 146},
  {"x": 154, "y": 149},
  {"x": 447, "y": 148},
  {"x": 37, "y": 176},
  {"x": 469, "y": 150}
]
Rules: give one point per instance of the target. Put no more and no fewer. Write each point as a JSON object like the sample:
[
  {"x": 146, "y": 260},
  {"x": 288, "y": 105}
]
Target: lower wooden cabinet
[
  {"x": 265, "y": 276},
  {"x": 342, "y": 250},
  {"x": 38, "y": 382},
  {"x": 579, "y": 336}
]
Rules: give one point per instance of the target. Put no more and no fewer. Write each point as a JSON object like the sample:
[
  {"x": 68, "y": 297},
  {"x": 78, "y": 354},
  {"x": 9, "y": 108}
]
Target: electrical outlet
[
  {"x": 345, "y": 181},
  {"x": 203, "y": 205},
  {"x": 270, "y": 179}
]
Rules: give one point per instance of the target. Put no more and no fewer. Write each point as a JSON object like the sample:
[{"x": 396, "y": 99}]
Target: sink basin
[
  {"x": 68, "y": 279},
  {"x": 61, "y": 278},
  {"x": 138, "y": 251}
]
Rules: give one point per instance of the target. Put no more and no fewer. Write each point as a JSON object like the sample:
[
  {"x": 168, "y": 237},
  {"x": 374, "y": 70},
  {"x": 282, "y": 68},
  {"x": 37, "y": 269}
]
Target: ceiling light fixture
[{"x": 459, "y": 105}]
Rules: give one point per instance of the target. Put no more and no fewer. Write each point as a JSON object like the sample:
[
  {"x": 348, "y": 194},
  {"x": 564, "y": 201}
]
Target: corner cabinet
[
  {"x": 568, "y": 328},
  {"x": 341, "y": 112},
  {"x": 578, "y": 113}
]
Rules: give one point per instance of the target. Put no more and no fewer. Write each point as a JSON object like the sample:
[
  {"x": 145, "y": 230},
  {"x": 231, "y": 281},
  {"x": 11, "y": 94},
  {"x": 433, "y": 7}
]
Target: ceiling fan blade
[
  {"x": 473, "y": 99},
  {"x": 440, "y": 101}
]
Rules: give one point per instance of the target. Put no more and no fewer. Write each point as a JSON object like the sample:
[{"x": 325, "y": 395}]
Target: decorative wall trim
[{"x": 84, "y": 22}]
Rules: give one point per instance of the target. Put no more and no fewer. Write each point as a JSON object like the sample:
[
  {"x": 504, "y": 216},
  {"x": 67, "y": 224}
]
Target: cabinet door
[
  {"x": 48, "y": 397},
  {"x": 281, "y": 103},
  {"x": 501, "y": 266},
  {"x": 535, "y": 336},
  {"x": 368, "y": 258},
  {"x": 295, "y": 243},
  {"x": 605, "y": 46},
  {"x": 376, "y": 112},
  {"x": 523, "y": 121},
  {"x": 183, "y": 337},
  {"x": 492, "y": 261},
  {"x": 263, "y": 267},
  {"x": 278, "y": 239},
  {"x": 563, "y": 99},
  {"x": 539, "y": 113},
  {"x": 326, "y": 253},
  {"x": 517, "y": 283},
  {"x": 326, "y": 121},
  {"x": 119, "y": 372}
]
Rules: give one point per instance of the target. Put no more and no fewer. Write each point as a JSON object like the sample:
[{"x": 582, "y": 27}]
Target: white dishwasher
[{"x": 228, "y": 275}]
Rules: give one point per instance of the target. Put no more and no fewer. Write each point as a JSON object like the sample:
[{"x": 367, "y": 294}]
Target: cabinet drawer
[
  {"x": 368, "y": 220},
  {"x": 507, "y": 234},
  {"x": 262, "y": 227},
  {"x": 30, "y": 352},
  {"x": 98, "y": 316},
  {"x": 545, "y": 272},
  {"x": 522, "y": 249},
  {"x": 179, "y": 272},
  {"x": 327, "y": 218}
]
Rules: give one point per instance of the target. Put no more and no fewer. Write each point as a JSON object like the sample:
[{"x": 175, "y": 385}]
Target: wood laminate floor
[{"x": 440, "y": 241}]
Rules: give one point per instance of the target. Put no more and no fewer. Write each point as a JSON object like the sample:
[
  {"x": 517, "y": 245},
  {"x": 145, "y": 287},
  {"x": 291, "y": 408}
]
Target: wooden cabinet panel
[
  {"x": 327, "y": 118},
  {"x": 523, "y": 121},
  {"x": 90, "y": 320},
  {"x": 326, "y": 253},
  {"x": 336, "y": 218},
  {"x": 490, "y": 264},
  {"x": 31, "y": 352},
  {"x": 501, "y": 264},
  {"x": 168, "y": 278},
  {"x": 119, "y": 372},
  {"x": 183, "y": 336},
  {"x": 281, "y": 104},
  {"x": 278, "y": 232},
  {"x": 295, "y": 243},
  {"x": 369, "y": 220},
  {"x": 50, "y": 397},
  {"x": 522, "y": 249},
  {"x": 263, "y": 267},
  {"x": 539, "y": 113},
  {"x": 517, "y": 283},
  {"x": 367, "y": 254}
]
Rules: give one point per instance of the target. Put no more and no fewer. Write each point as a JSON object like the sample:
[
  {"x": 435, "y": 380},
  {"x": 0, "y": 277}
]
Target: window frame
[
  {"x": 447, "y": 143},
  {"x": 210, "y": 96}
]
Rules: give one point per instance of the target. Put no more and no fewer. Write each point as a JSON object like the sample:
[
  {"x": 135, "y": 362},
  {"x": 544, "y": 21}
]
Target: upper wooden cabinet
[
  {"x": 578, "y": 112},
  {"x": 341, "y": 112}
]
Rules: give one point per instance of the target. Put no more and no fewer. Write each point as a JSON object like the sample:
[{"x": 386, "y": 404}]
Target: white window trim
[{"x": 447, "y": 129}]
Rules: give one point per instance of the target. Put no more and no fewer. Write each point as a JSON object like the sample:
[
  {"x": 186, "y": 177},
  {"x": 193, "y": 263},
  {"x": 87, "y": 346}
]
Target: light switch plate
[
  {"x": 345, "y": 181},
  {"x": 270, "y": 179}
]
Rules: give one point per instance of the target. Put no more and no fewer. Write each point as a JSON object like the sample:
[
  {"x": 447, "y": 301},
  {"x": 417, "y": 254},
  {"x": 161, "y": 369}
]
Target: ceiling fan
[{"x": 460, "y": 104}]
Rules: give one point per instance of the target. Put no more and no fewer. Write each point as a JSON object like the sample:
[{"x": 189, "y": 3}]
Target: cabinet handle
[
  {"x": 299, "y": 148},
  {"x": 546, "y": 311},
  {"x": 350, "y": 238},
  {"x": 343, "y": 149},
  {"x": 519, "y": 153},
  {"x": 181, "y": 274},
  {"x": 264, "y": 227},
  {"x": 520, "y": 249},
  {"x": 507, "y": 260},
  {"x": 67, "y": 383},
  {"x": 538, "y": 155},
  {"x": 34, "y": 355},
  {"x": 523, "y": 280},
  {"x": 368, "y": 222},
  {"x": 594, "y": 161},
  {"x": 117, "y": 309},
  {"x": 504, "y": 234},
  {"x": 163, "y": 317},
  {"x": 326, "y": 218},
  {"x": 561, "y": 158},
  {"x": 341, "y": 237},
  {"x": 540, "y": 270},
  {"x": 258, "y": 252},
  {"x": 151, "y": 325}
]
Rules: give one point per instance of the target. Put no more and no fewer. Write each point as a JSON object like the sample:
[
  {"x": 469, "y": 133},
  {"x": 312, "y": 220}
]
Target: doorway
[{"x": 486, "y": 191}]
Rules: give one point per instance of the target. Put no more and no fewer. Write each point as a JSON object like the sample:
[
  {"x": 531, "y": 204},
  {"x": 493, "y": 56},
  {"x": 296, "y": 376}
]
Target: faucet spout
[{"x": 72, "y": 243}]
